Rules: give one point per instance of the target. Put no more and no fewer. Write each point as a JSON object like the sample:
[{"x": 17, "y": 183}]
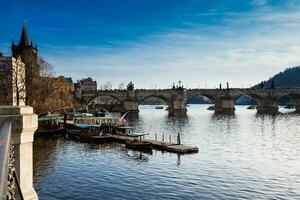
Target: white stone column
[{"x": 24, "y": 124}]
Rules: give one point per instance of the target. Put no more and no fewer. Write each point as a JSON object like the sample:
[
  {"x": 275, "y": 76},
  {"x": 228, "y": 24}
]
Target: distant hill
[{"x": 289, "y": 78}]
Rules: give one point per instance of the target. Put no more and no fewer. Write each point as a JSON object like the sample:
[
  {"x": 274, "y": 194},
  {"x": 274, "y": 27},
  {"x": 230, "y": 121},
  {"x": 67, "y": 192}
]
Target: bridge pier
[
  {"x": 223, "y": 99},
  {"x": 267, "y": 105},
  {"x": 130, "y": 106},
  {"x": 224, "y": 106},
  {"x": 297, "y": 103},
  {"x": 297, "y": 107},
  {"x": 178, "y": 108},
  {"x": 177, "y": 113}
]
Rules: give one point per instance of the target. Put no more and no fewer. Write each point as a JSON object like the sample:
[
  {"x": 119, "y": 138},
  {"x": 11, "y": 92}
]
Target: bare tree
[
  {"x": 107, "y": 85},
  {"x": 121, "y": 86},
  {"x": 18, "y": 82},
  {"x": 46, "y": 69},
  {"x": 12, "y": 82},
  {"x": 43, "y": 88},
  {"x": 32, "y": 72}
]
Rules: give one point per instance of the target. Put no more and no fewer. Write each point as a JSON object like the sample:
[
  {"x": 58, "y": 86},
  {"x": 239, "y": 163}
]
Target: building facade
[{"x": 84, "y": 88}]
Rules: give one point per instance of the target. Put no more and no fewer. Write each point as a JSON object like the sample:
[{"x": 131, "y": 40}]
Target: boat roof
[
  {"x": 125, "y": 127},
  {"x": 49, "y": 118},
  {"x": 85, "y": 125},
  {"x": 137, "y": 134}
]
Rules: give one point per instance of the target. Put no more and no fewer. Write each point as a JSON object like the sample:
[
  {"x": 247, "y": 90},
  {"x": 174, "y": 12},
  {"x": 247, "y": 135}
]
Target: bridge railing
[{"x": 9, "y": 184}]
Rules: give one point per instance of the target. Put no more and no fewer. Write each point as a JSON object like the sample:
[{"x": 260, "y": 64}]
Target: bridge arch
[
  {"x": 206, "y": 98},
  {"x": 265, "y": 104},
  {"x": 161, "y": 97},
  {"x": 200, "y": 98},
  {"x": 116, "y": 99},
  {"x": 287, "y": 101},
  {"x": 246, "y": 99},
  {"x": 287, "y": 98},
  {"x": 61, "y": 110}
]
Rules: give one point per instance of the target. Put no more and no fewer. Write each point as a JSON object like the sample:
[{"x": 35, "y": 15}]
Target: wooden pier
[{"x": 159, "y": 145}]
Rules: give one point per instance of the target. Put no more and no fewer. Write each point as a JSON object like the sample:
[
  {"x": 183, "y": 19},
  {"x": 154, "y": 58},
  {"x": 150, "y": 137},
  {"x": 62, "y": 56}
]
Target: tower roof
[
  {"x": 24, "y": 43},
  {"x": 24, "y": 40}
]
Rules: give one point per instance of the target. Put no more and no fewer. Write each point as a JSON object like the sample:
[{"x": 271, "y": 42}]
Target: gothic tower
[{"x": 28, "y": 54}]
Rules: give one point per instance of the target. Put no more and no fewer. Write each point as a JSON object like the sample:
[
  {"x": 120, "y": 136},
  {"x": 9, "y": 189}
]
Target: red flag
[{"x": 122, "y": 119}]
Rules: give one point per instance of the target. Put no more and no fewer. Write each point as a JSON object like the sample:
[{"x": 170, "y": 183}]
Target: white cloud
[
  {"x": 259, "y": 2},
  {"x": 244, "y": 49}
]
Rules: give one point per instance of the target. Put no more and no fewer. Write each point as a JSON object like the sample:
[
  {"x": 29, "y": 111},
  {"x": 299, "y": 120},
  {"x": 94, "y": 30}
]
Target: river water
[{"x": 245, "y": 156}]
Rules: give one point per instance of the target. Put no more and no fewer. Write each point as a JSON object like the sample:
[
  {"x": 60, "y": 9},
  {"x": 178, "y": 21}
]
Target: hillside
[{"x": 289, "y": 78}]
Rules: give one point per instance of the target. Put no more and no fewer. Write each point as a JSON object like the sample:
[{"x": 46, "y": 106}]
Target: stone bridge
[{"x": 176, "y": 99}]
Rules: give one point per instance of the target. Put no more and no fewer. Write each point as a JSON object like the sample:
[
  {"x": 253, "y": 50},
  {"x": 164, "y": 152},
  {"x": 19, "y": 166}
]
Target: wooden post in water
[{"x": 178, "y": 139}]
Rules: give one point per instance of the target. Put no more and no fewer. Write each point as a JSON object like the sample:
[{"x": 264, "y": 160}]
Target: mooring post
[
  {"x": 178, "y": 139},
  {"x": 163, "y": 137},
  {"x": 155, "y": 136},
  {"x": 65, "y": 120}
]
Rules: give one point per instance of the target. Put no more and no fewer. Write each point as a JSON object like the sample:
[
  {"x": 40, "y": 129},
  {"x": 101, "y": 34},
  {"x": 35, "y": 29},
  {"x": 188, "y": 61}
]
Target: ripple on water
[{"x": 241, "y": 157}]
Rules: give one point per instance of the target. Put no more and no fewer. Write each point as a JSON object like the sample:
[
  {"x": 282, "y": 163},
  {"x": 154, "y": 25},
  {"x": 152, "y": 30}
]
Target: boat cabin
[{"x": 50, "y": 124}]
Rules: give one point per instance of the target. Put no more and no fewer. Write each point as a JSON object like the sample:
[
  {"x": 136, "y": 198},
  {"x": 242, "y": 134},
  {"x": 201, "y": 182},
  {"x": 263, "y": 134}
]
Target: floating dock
[{"x": 159, "y": 145}]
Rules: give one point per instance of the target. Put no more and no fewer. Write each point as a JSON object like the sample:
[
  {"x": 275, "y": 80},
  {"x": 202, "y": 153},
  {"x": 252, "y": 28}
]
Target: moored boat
[
  {"x": 49, "y": 126},
  {"x": 290, "y": 106},
  {"x": 211, "y": 108},
  {"x": 251, "y": 107},
  {"x": 159, "y": 107},
  {"x": 139, "y": 145}
]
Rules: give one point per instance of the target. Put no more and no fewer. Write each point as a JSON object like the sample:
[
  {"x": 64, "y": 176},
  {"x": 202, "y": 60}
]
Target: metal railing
[{"x": 9, "y": 183}]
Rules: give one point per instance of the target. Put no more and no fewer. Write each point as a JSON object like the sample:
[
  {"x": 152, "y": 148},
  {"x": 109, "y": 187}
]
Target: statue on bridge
[
  {"x": 173, "y": 87},
  {"x": 130, "y": 86}
]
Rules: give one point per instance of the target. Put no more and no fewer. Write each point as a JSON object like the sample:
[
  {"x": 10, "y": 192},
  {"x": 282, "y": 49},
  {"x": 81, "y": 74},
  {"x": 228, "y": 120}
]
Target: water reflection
[
  {"x": 242, "y": 156},
  {"x": 139, "y": 156},
  {"x": 178, "y": 160},
  {"x": 224, "y": 123}
]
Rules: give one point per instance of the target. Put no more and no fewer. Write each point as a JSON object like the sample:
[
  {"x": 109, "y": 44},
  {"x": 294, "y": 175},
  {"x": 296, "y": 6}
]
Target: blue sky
[{"x": 158, "y": 42}]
